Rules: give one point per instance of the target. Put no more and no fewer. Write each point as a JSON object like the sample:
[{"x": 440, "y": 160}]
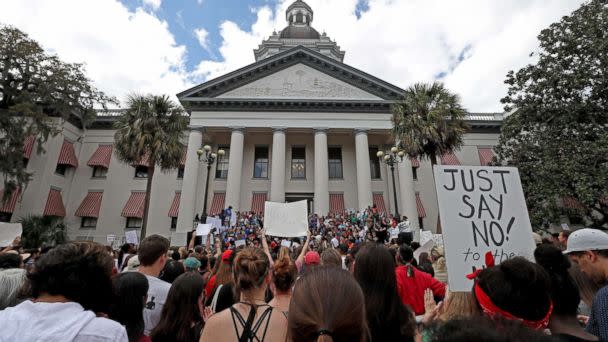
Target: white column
[
  {"x": 235, "y": 168},
  {"x": 190, "y": 183},
  {"x": 364, "y": 178},
  {"x": 321, "y": 172},
  {"x": 408, "y": 194},
  {"x": 277, "y": 180}
]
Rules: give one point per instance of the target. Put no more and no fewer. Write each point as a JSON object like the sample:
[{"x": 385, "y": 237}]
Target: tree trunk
[
  {"x": 144, "y": 222},
  {"x": 433, "y": 158}
]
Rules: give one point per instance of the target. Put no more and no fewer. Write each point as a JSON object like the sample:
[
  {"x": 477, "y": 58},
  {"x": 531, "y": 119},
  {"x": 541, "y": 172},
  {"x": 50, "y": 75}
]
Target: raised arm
[
  {"x": 265, "y": 245},
  {"x": 218, "y": 247},
  {"x": 192, "y": 241},
  {"x": 300, "y": 258}
]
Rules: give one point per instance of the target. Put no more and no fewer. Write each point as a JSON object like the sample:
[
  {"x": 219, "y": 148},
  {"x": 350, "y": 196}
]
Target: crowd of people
[{"x": 356, "y": 276}]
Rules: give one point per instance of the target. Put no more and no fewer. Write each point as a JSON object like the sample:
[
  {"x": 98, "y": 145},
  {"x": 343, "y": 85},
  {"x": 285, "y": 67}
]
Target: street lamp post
[
  {"x": 206, "y": 156},
  {"x": 392, "y": 158}
]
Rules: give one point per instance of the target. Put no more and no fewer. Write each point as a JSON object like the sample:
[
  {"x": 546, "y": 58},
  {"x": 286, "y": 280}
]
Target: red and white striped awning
[
  {"x": 183, "y": 161},
  {"x": 11, "y": 203},
  {"x": 419, "y": 206},
  {"x": 485, "y": 155},
  {"x": 449, "y": 159},
  {"x": 217, "y": 204},
  {"x": 415, "y": 162},
  {"x": 101, "y": 156},
  {"x": 572, "y": 203},
  {"x": 67, "y": 156},
  {"x": 135, "y": 205},
  {"x": 144, "y": 161},
  {"x": 174, "y": 210},
  {"x": 54, "y": 204},
  {"x": 257, "y": 202},
  {"x": 28, "y": 146},
  {"x": 336, "y": 203},
  {"x": 379, "y": 202},
  {"x": 90, "y": 205}
]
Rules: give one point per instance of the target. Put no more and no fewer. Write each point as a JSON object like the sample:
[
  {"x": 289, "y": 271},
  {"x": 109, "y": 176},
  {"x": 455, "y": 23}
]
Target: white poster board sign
[
  {"x": 286, "y": 219},
  {"x": 425, "y": 248},
  {"x": 110, "y": 238},
  {"x": 482, "y": 210},
  {"x": 239, "y": 243},
  {"x": 8, "y": 233},
  {"x": 286, "y": 243},
  {"x": 438, "y": 239},
  {"x": 203, "y": 229},
  {"x": 565, "y": 226},
  {"x": 132, "y": 237},
  {"x": 233, "y": 219},
  {"x": 425, "y": 236},
  {"x": 214, "y": 222}
]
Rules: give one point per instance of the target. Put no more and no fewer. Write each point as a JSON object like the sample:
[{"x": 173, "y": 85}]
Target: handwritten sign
[
  {"x": 132, "y": 237},
  {"x": 110, "y": 238},
  {"x": 286, "y": 219},
  {"x": 239, "y": 243},
  {"x": 203, "y": 229},
  {"x": 214, "y": 222},
  {"x": 425, "y": 236},
  {"x": 484, "y": 210},
  {"x": 8, "y": 233}
]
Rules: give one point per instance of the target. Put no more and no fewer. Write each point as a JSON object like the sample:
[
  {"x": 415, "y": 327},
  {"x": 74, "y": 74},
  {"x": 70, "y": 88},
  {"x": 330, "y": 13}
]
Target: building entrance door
[{"x": 295, "y": 197}]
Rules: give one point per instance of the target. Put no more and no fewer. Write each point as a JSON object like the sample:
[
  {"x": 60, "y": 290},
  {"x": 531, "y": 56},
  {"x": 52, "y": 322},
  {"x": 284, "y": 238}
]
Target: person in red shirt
[{"x": 411, "y": 283}]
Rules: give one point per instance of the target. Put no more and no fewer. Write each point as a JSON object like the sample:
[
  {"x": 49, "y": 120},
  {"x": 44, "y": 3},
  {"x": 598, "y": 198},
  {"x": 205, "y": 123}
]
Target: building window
[
  {"x": 335, "y": 162},
  {"x": 173, "y": 223},
  {"x": 133, "y": 222},
  {"x": 415, "y": 173},
  {"x": 260, "y": 163},
  {"x": 421, "y": 223},
  {"x": 88, "y": 223},
  {"x": 298, "y": 162},
  {"x": 141, "y": 172},
  {"x": 99, "y": 172},
  {"x": 61, "y": 169},
  {"x": 374, "y": 163},
  {"x": 180, "y": 172},
  {"x": 221, "y": 171}
]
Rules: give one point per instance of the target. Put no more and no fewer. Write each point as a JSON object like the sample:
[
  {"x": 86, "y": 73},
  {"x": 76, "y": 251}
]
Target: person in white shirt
[
  {"x": 71, "y": 286},
  {"x": 335, "y": 242},
  {"x": 152, "y": 256}
]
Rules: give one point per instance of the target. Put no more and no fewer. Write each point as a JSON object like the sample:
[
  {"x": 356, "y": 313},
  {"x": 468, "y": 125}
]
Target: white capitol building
[{"x": 296, "y": 124}]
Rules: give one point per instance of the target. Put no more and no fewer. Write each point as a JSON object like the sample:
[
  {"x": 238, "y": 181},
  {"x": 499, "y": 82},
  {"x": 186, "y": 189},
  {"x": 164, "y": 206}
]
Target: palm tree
[
  {"x": 41, "y": 230},
  {"x": 152, "y": 126},
  {"x": 429, "y": 121}
]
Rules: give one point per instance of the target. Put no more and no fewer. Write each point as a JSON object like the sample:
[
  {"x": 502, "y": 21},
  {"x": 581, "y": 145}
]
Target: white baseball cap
[{"x": 587, "y": 239}]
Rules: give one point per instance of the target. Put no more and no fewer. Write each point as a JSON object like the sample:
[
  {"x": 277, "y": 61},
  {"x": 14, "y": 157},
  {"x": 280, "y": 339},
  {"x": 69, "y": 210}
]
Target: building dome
[{"x": 299, "y": 32}]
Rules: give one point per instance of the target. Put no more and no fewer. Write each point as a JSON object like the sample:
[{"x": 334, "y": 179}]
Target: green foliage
[
  {"x": 34, "y": 87},
  {"x": 42, "y": 230},
  {"x": 558, "y": 133},
  {"x": 429, "y": 121},
  {"x": 153, "y": 126}
]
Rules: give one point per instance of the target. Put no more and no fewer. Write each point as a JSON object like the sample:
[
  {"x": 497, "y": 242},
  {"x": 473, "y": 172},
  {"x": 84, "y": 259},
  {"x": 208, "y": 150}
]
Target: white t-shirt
[
  {"x": 335, "y": 242},
  {"x": 157, "y": 296}
]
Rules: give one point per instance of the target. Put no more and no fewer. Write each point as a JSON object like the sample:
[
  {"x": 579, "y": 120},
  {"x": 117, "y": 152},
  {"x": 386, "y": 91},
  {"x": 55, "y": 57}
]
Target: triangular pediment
[{"x": 296, "y": 74}]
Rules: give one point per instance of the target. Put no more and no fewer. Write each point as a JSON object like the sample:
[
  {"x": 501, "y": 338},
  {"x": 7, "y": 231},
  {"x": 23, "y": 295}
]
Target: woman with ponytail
[
  {"x": 284, "y": 276},
  {"x": 564, "y": 294},
  {"x": 327, "y": 305},
  {"x": 251, "y": 319}
]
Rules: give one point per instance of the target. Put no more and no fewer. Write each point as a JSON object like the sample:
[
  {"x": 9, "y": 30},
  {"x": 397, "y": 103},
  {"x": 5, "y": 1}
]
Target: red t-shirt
[
  {"x": 411, "y": 289},
  {"x": 210, "y": 286}
]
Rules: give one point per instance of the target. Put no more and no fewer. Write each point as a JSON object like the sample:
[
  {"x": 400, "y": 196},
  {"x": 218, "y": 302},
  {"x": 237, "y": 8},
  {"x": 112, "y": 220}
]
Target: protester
[
  {"x": 10, "y": 260},
  {"x": 283, "y": 278},
  {"x": 327, "y": 305},
  {"x": 132, "y": 264},
  {"x": 425, "y": 264},
  {"x": 126, "y": 250},
  {"x": 182, "y": 315},
  {"x": 171, "y": 271},
  {"x": 152, "y": 257},
  {"x": 69, "y": 285},
  {"x": 12, "y": 281},
  {"x": 458, "y": 305},
  {"x": 563, "y": 238},
  {"x": 439, "y": 264},
  {"x": 387, "y": 317},
  {"x": 223, "y": 295},
  {"x": 564, "y": 295},
  {"x": 251, "y": 318},
  {"x": 589, "y": 249},
  {"x": 587, "y": 289},
  {"x": 485, "y": 330},
  {"x": 192, "y": 264},
  {"x": 331, "y": 257},
  {"x": 411, "y": 282},
  {"x": 130, "y": 292}
]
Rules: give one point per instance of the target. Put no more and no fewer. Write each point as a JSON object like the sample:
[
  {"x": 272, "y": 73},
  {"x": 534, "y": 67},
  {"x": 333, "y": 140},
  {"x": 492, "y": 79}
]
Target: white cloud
[
  {"x": 155, "y": 4},
  {"x": 202, "y": 34},
  {"x": 411, "y": 41},
  {"x": 124, "y": 51}
]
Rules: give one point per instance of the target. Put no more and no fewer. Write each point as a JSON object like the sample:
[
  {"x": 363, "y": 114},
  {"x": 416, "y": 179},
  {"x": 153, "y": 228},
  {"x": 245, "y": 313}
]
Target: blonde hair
[{"x": 458, "y": 305}]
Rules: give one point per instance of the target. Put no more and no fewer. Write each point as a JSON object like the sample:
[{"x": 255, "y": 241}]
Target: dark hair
[
  {"x": 405, "y": 238},
  {"x": 481, "y": 329},
  {"x": 171, "y": 271},
  {"x": 317, "y": 313},
  {"x": 406, "y": 254},
  {"x": 387, "y": 317},
  {"x": 566, "y": 234},
  {"x": 152, "y": 248},
  {"x": 204, "y": 261},
  {"x": 331, "y": 257},
  {"x": 519, "y": 287},
  {"x": 285, "y": 273},
  {"x": 564, "y": 292},
  {"x": 425, "y": 264},
  {"x": 181, "y": 310},
  {"x": 10, "y": 260},
  {"x": 251, "y": 266},
  {"x": 124, "y": 249},
  {"x": 130, "y": 290},
  {"x": 212, "y": 261},
  {"x": 343, "y": 248},
  {"x": 175, "y": 255},
  {"x": 80, "y": 271}
]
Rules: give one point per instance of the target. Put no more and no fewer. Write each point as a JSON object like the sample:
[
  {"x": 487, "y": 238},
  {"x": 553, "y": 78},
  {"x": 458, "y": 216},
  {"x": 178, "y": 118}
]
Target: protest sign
[
  {"x": 132, "y": 237},
  {"x": 286, "y": 243},
  {"x": 425, "y": 248},
  {"x": 425, "y": 236},
  {"x": 482, "y": 210},
  {"x": 233, "y": 219},
  {"x": 214, "y": 222},
  {"x": 8, "y": 233},
  {"x": 438, "y": 239},
  {"x": 110, "y": 238},
  {"x": 286, "y": 219},
  {"x": 565, "y": 226},
  {"x": 203, "y": 229},
  {"x": 239, "y": 243}
]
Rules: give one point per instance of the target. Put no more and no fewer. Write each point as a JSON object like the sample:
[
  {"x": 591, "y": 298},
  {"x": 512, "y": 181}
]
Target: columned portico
[
  {"x": 364, "y": 180},
  {"x": 235, "y": 162},
  {"x": 407, "y": 192},
  {"x": 321, "y": 171},
  {"x": 277, "y": 174},
  {"x": 190, "y": 183}
]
